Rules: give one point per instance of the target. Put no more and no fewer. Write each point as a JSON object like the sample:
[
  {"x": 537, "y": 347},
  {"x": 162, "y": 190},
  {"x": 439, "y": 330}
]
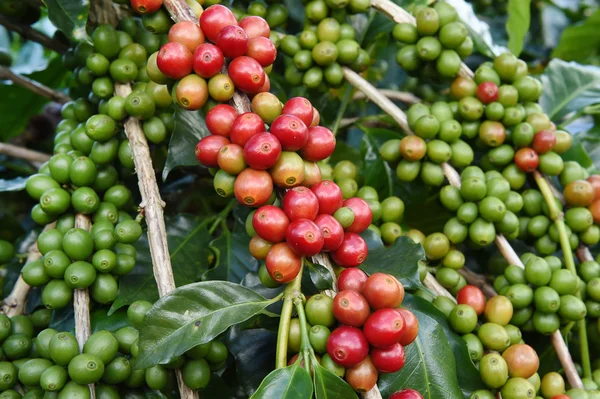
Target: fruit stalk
[
  {"x": 33, "y": 157},
  {"x": 402, "y": 96},
  {"x": 305, "y": 347},
  {"x": 29, "y": 33},
  {"x": 479, "y": 281},
  {"x": 33, "y": 86},
  {"x": 431, "y": 283},
  {"x": 14, "y": 303},
  {"x": 292, "y": 290}
]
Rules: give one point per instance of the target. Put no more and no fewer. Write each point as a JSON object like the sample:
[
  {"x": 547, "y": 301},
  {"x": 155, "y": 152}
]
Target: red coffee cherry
[
  {"x": 350, "y": 308},
  {"x": 527, "y": 159},
  {"x": 255, "y": 27},
  {"x": 187, "y": 33},
  {"x": 233, "y": 41},
  {"x": 411, "y": 326},
  {"x": 270, "y": 223},
  {"x": 316, "y": 118},
  {"x": 262, "y": 150},
  {"x": 487, "y": 92},
  {"x": 291, "y": 132},
  {"x": 146, "y": 6},
  {"x": 252, "y": 187},
  {"x": 191, "y": 92},
  {"x": 543, "y": 141},
  {"x": 174, "y": 60},
  {"x": 594, "y": 180},
  {"x": 347, "y": 346},
  {"x": 388, "y": 360},
  {"x": 304, "y": 237},
  {"x": 282, "y": 263},
  {"x": 332, "y": 230},
  {"x": 329, "y": 195},
  {"x": 383, "y": 291},
  {"x": 320, "y": 144},
  {"x": 407, "y": 394},
  {"x": 362, "y": 377},
  {"x": 362, "y": 214},
  {"x": 352, "y": 279},
  {"x": 215, "y": 18},
  {"x": 262, "y": 50},
  {"x": 219, "y": 119},
  {"x": 472, "y": 296},
  {"x": 207, "y": 150},
  {"x": 301, "y": 108},
  {"x": 247, "y": 74},
  {"x": 352, "y": 252},
  {"x": 208, "y": 60},
  {"x": 384, "y": 327},
  {"x": 244, "y": 127},
  {"x": 300, "y": 203}
]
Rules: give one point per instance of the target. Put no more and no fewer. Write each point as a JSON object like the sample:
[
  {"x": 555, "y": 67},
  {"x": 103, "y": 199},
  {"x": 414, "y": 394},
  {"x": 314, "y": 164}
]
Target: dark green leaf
[
  {"x": 217, "y": 388},
  {"x": 292, "y": 382},
  {"x": 70, "y": 16},
  {"x": 194, "y": 314},
  {"x": 376, "y": 172},
  {"x": 16, "y": 184},
  {"x": 63, "y": 319},
  {"x": 232, "y": 256},
  {"x": 400, "y": 259},
  {"x": 372, "y": 239},
  {"x": 568, "y": 87},
  {"x": 189, "y": 129},
  {"x": 580, "y": 42},
  {"x": 101, "y": 320},
  {"x": 319, "y": 275},
  {"x": 330, "y": 386},
  {"x": 343, "y": 152},
  {"x": 517, "y": 24},
  {"x": 188, "y": 245},
  {"x": 479, "y": 30}
]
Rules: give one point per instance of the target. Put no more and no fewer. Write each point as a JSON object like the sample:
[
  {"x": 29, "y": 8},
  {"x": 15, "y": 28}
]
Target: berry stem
[
  {"x": 292, "y": 291},
  {"x": 305, "y": 347},
  {"x": 29, "y": 33},
  {"x": 342, "y": 110},
  {"x": 431, "y": 283},
  {"x": 221, "y": 216},
  {"x": 33, "y": 86}
]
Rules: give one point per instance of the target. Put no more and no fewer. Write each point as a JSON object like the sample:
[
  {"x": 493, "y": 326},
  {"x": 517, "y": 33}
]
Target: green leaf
[
  {"x": 16, "y": 184},
  {"x": 401, "y": 260},
  {"x": 330, "y": 386},
  {"x": 568, "y": 86},
  {"x": 188, "y": 240},
  {"x": 292, "y": 382},
  {"x": 479, "y": 30},
  {"x": 189, "y": 129},
  {"x": 517, "y": 25},
  {"x": 376, "y": 172},
  {"x": 101, "y": 320},
  {"x": 70, "y": 16},
  {"x": 232, "y": 256},
  {"x": 319, "y": 275},
  {"x": 580, "y": 42},
  {"x": 194, "y": 314}
]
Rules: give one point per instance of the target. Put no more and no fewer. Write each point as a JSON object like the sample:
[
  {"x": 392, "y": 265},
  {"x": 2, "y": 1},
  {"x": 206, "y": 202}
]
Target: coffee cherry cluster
[
  {"x": 552, "y": 386},
  {"x": 203, "y": 49},
  {"x": 438, "y": 42},
  {"x": 275, "y": 13}
]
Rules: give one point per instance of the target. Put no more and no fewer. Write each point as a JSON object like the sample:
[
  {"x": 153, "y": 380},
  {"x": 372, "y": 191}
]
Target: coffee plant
[{"x": 325, "y": 199}]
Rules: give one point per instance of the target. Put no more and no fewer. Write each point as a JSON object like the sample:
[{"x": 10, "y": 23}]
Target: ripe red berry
[
  {"x": 352, "y": 252},
  {"x": 527, "y": 159},
  {"x": 362, "y": 214},
  {"x": 187, "y": 33},
  {"x": 231, "y": 159},
  {"x": 191, "y": 92},
  {"x": 411, "y": 326},
  {"x": 384, "y": 327},
  {"x": 266, "y": 87},
  {"x": 146, "y": 6},
  {"x": 406, "y": 394},
  {"x": 174, "y": 60},
  {"x": 472, "y": 296},
  {"x": 301, "y": 108},
  {"x": 300, "y": 203},
  {"x": 304, "y": 237},
  {"x": 362, "y": 377},
  {"x": 544, "y": 141},
  {"x": 270, "y": 223},
  {"x": 320, "y": 144},
  {"x": 233, "y": 41},
  {"x": 262, "y": 150},
  {"x": 244, "y": 127},
  {"x": 487, "y": 92},
  {"x": 329, "y": 195},
  {"x": 247, "y": 74},
  {"x": 347, "y": 346},
  {"x": 208, "y": 60},
  {"x": 291, "y": 132},
  {"x": 252, "y": 187},
  {"x": 219, "y": 119},
  {"x": 388, "y": 360},
  {"x": 255, "y": 26},
  {"x": 350, "y": 308},
  {"x": 352, "y": 279},
  {"x": 383, "y": 291},
  {"x": 282, "y": 263},
  {"x": 207, "y": 150},
  {"x": 332, "y": 230},
  {"x": 262, "y": 50},
  {"x": 215, "y": 18}
]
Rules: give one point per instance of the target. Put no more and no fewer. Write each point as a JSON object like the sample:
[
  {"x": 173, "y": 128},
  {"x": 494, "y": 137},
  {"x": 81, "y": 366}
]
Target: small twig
[
  {"x": 394, "y": 95},
  {"x": 479, "y": 281},
  {"x": 29, "y": 33},
  {"x": 14, "y": 303},
  {"x": 584, "y": 254},
  {"x": 33, "y": 86},
  {"x": 431, "y": 283},
  {"x": 34, "y": 157}
]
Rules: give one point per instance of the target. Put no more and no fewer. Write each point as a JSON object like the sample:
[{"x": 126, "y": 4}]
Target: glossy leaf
[
  {"x": 517, "y": 25},
  {"x": 579, "y": 42},
  {"x": 232, "y": 257},
  {"x": 194, "y": 314},
  {"x": 372, "y": 239},
  {"x": 400, "y": 259},
  {"x": 330, "y": 386},
  {"x": 292, "y": 382},
  {"x": 188, "y": 240},
  {"x": 70, "y": 16},
  {"x": 319, "y": 275},
  {"x": 189, "y": 129},
  {"x": 569, "y": 86},
  {"x": 16, "y": 184},
  {"x": 376, "y": 172}
]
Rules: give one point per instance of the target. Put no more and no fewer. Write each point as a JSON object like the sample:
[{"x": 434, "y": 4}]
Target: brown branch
[
  {"x": 14, "y": 303},
  {"x": 34, "y": 157},
  {"x": 33, "y": 86},
  {"x": 34, "y": 35},
  {"x": 479, "y": 281},
  {"x": 395, "y": 95}
]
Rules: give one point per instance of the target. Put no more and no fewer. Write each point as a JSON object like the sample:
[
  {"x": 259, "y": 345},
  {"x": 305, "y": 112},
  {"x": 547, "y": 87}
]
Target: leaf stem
[
  {"x": 221, "y": 217},
  {"x": 291, "y": 291},
  {"x": 342, "y": 109}
]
